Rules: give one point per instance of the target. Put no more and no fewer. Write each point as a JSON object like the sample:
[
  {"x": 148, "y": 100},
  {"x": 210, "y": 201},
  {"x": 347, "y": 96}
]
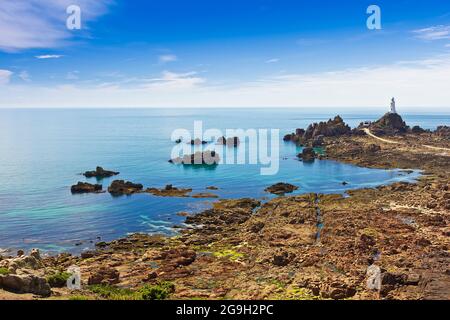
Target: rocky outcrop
[
  {"x": 198, "y": 158},
  {"x": 104, "y": 275},
  {"x": 443, "y": 131},
  {"x": 314, "y": 135},
  {"x": 84, "y": 187},
  {"x": 389, "y": 124},
  {"x": 25, "y": 284},
  {"x": 281, "y": 188},
  {"x": 100, "y": 173},
  {"x": 169, "y": 191},
  {"x": 120, "y": 187},
  {"x": 307, "y": 155}
]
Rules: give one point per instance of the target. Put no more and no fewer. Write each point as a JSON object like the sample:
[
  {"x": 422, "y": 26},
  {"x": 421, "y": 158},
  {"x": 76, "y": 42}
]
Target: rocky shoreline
[{"x": 310, "y": 246}]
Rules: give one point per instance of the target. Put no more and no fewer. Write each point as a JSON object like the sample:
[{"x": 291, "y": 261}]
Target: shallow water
[{"x": 42, "y": 153}]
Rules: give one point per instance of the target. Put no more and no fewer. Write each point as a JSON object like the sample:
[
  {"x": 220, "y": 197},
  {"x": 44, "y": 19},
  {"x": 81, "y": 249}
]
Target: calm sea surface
[{"x": 42, "y": 153}]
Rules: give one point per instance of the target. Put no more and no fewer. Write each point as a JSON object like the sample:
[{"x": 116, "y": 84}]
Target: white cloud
[
  {"x": 49, "y": 56},
  {"x": 25, "y": 76},
  {"x": 275, "y": 60},
  {"x": 171, "y": 80},
  {"x": 5, "y": 76},
  {"x": 418, "y": 86},
  {"x": 433, "y": 33},
  {"x": 167, "y": 58},
  {"x": 26, "y": 24}
]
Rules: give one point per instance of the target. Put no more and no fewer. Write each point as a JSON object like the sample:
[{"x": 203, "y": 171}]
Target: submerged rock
[
  {"x": 84, "y": 187},
  {"x": 100, "y": 173},
  {"x": 120, "y": 187},
  {"x": 281, "y": 188}
]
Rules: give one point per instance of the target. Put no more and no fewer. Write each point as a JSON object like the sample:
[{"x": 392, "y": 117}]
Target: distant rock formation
[
  {"x": 389, "y": 124},
  {"x": 100, "y": 173},
  {"x": 315, "y": 133}
]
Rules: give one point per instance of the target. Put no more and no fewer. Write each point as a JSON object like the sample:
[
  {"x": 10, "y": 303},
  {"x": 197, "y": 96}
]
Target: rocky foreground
[{"x": 391, "y": 242}]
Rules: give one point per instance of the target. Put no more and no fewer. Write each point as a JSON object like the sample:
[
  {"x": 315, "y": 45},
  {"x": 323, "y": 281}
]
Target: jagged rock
[
  {"x": 25, "y": 284},
  {"x": 230, "y": 142},
  {"x": 389, "y": 124},
  {"x": 318, "y": 141},
  {"x": 331, "y": 128},
  {"x": 104, "y": 275},
  {"x": 281, "y": 188},
  {"x": 120, "y": 187},
  {"x": 100, "y": 173},
  {"x": 307, "y": 155},
  {"x": 198, "y": 158},
  {"x": 84, "y": 187}
]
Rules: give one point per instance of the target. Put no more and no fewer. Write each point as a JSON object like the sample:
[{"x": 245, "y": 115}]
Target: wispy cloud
[
  {"x": 27, "y": 24},
  {"x": 25, "y": 76},
  {"x": 167, "y": 58},
  {"x": 440, "y": 32},
  {"x": 172, "y": 80},
  {"x": 49, "y": 56},
  {"x": 5, "y": 75},
  {"x": 274, "y": 60}
]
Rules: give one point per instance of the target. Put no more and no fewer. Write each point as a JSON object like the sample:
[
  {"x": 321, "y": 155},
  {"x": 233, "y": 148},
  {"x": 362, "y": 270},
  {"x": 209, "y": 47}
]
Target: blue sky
[{"x": 186, "y": 53}]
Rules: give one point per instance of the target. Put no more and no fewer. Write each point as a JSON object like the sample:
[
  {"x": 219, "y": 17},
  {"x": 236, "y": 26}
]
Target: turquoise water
[{"x": 42, "y": 153}]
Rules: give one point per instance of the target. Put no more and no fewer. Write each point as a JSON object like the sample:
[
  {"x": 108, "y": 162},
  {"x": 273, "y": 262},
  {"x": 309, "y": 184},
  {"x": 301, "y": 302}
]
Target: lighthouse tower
[{"x": 393, "y": 108}]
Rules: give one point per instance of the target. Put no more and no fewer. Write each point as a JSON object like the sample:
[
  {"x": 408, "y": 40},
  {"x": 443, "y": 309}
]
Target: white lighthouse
[{"x": 393, "y": 108}]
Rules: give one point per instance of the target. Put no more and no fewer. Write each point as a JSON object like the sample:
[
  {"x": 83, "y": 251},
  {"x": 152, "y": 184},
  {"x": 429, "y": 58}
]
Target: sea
[{"x": 44, "y": 151}]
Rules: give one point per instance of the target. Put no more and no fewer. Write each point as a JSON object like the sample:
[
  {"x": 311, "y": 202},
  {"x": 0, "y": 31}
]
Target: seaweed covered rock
[{"x": 281, "y": 188}]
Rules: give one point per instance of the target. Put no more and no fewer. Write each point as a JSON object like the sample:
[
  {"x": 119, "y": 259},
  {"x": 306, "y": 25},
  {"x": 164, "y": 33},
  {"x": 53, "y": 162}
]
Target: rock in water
[
  {"x": 84, "y": 187},
  {"x": 100, "y": 173},
  {"x": 281, "y": 188},
  {"x": 198, "y": 158},
  {"x": 307, "y": 155},
  {"x": 120, "y": 187},
  {"x": 389, "y": 124}
]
